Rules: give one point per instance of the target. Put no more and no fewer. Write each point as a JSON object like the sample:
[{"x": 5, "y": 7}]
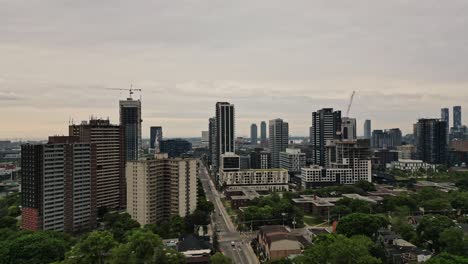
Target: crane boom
[
  {"x": 131, "y": 90},
  {"x": 350, "y": 103}
]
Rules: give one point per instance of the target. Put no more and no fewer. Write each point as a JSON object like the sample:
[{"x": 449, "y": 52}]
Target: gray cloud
[{"x": 405, "y": 59}]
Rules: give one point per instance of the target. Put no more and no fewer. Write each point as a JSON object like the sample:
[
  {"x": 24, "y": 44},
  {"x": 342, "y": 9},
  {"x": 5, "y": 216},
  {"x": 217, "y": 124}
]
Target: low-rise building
[
  {"x": 258, "y": 179},
  {"x": 275, "y": 242},
  {"x": 317, "y": 176},
  {"x": 411, "y": 165}
]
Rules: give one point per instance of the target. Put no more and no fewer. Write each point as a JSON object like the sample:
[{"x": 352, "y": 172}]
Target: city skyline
[{"x": 267, "y": 66}]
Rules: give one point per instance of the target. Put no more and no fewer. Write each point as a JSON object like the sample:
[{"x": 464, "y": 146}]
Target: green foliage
[
  {"x": 462, "y": 183},
  {"x": 437, "y": 204},
  {"x": 94, "y": 248},
  {"x": 144, "y": 247},
  {"x": 9, "y": 210},
  {"x": 430, "y": 228},
  {"x": 453, "y": 241},
  {"x": 119, "y": 224},
  {"x": 459, "y": 200},
  {"x": 339, "y": 211},
  {"x": 365, "y": 186},
  {"x": 173, "y": 228},
  {"x": 268, "y": 210},
  {"x": 401, "y": 226},
  {"x": 360, "y": 224},
  {"x": 338, "y": 249},
  {"x": 219, "y": 258},
  {"x": 446, "y": 258},
  {"x": 390, "y": 203},
  {"x": 37, "y": 247}
]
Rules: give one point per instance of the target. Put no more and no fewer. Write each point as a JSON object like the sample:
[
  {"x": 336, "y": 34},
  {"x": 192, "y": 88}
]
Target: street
[{"x": 230, "y": 241}]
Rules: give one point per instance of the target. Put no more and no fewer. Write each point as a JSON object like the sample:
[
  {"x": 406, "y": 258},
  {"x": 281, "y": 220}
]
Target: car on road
[{"x": 233, "y": 243}]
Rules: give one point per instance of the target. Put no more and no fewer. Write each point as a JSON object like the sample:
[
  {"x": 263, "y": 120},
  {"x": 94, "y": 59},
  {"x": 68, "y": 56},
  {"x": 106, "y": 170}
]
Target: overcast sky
[{"x": 405, "y": 58}]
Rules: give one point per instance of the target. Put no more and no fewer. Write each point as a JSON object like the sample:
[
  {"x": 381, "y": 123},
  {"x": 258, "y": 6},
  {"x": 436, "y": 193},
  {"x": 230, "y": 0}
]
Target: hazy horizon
[{"x": 405, "y": 60}]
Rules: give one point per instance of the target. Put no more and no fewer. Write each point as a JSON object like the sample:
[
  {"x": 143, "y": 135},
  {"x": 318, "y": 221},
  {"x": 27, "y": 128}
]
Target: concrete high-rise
[
  {"x": 431, "y": 141},
  {"x": 59, "y": 185},
  {"x": 367, "y": 129},
  {"x": 130, "y": 120},
  {"x": 110, "y": 160},
  {"x": 156, "y": 135},
  {"x": 160, "y": 188},
  {"x": 326, "y": 125},
  {"x": 225, "y": 130},
  {"x": 263, "y": 132},
  {"x": 253, "y": 134},
  {"x": 278, "y": 140},
  {"x": 457, "y": 117}
]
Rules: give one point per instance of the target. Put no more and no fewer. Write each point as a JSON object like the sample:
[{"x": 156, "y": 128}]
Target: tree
[
  {"x": 339, "y": 211},
  {"x": 462, "y": 183},
  {"x": 95, "y": 248},
  {"x": 430, "y": 228},
  {"x": 119, "y": 224},
  {"x": 453, "y": 241},
  {"x": 219, "y": 258},
  {"x": 338, "y": 249},
  {"x": 459, "y": 200},
  {"x": 37, "y": 247},
  {"x": 437, "y": 204},
  {"x": 144, "y": 247},
  {"x": 446, "y": 258},
  {"x": 360, "y": 224},
  {"x": 365, "y": 185}
]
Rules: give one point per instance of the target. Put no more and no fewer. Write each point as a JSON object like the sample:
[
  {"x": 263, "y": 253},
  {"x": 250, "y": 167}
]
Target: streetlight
[
  {"x": 294, "y": 223},
  {"x": 283, "y": 214}
]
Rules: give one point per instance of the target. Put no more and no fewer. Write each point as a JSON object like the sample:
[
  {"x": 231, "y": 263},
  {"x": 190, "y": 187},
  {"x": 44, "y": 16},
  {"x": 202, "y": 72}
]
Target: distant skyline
[{"x": 271, "y": 59}]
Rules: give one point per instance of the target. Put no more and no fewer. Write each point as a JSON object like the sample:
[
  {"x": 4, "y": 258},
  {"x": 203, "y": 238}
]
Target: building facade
[
  {"x": 260, "y": 159},
  {"x": 388, "y": 139},
  {"x": 367, "y": 129},
  {"x": 59, "y": 186},
  {"x": 457, "y": 117},
  {"x": 326, "y": 125},
  {"x": 278, "y": 141},
  {"x": 292, "y": 160},
  {"x": 253, "y": 134},
  {"x": 225, "y": 131},
  {"x": 130, "y": 121},
  {"x": 160, "y": 188},
  {"x": 156, "y": 135},
  {"x": 110, "y": 160},
  {"x": 256, "y": 179},
  {"x": 263, "y": 133},
  {"x": 175, "y": 147},
  {"x": 348, "y": 128},
  {"x": 431, "y": 141}
]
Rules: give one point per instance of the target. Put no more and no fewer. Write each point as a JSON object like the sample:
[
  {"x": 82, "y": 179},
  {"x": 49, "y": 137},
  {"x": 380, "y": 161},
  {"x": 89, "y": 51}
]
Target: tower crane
[
  {"x": 131, "y": 90},
  {"x": 350, "y": 103}
]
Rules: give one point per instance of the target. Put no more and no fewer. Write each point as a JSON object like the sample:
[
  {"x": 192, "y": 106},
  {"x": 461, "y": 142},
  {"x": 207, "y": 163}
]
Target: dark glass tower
[
  {"x": 326, "y": 125},
  {"x": 253, "y": 134},
  {"x": 431, "y": 141},
  {"x": 130, "y": 120},
  {"x": 225, "y": 130}
]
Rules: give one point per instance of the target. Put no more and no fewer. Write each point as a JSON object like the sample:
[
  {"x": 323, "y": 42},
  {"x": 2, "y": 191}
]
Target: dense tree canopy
[
  {"x": 33, "y": 247},
  {"x": 339, "y": 249},
  {"x": 431, "y": 227},
  {"x": 360, "y": 224},
  {"x": 219, "y": 258}
]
